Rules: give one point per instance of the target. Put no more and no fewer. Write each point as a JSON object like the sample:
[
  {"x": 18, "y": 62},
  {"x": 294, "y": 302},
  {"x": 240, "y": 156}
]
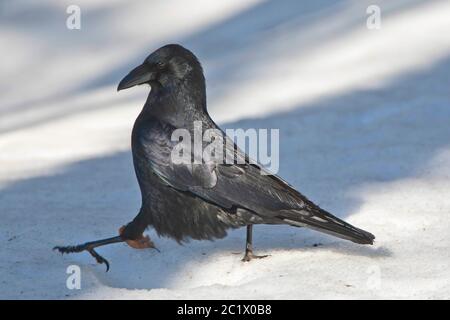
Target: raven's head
[{"x": 170, "y": 64}]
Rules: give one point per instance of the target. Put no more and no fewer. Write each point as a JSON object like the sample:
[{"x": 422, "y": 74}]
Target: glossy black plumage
[{"x": 202, "y": 203}]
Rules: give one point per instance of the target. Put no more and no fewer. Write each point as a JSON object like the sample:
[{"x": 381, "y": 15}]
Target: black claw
[
  {"x": 99, "y": 258},
  {"x": 71, "y": 249},
  {"x": 63, "y": 250}
]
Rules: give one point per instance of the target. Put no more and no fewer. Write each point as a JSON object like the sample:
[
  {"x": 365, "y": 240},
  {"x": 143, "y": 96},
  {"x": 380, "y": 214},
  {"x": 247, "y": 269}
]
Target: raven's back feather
[{"x": 225, "y": 189}]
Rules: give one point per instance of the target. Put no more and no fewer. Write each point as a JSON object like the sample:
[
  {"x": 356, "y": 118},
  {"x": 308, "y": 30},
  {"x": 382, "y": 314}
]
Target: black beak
[{"x": 139, "y": 75}]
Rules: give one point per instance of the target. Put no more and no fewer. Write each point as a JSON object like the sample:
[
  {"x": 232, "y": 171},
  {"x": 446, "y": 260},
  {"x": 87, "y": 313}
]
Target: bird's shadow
[{"x": 185, "y": 266}]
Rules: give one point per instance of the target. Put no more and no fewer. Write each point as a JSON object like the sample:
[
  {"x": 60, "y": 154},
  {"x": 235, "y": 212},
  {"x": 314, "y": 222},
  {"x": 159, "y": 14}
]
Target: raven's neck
[{"x": 178, "y": 104}]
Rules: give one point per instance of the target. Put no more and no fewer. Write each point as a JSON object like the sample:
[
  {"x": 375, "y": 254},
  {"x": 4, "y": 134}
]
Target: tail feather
[{"x": 318, "y": 219}]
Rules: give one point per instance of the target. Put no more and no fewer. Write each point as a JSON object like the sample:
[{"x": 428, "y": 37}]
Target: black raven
[{"x": 201, "y": 200}]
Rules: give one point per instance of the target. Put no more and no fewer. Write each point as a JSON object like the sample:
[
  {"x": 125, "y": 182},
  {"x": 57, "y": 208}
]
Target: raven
[{"x": 201, "y": 200}]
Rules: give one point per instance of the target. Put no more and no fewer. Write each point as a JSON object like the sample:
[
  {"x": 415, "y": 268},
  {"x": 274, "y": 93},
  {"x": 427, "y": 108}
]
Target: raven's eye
[{"x": 160, "y": 65}]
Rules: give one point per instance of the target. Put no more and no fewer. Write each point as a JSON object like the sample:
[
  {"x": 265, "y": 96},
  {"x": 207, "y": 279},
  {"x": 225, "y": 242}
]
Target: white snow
[{"x": 364, "y": 119}]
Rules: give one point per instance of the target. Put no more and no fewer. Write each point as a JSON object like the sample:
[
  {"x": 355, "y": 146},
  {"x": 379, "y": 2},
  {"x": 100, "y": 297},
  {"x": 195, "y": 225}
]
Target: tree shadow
[{"x": 228, "y": 45}]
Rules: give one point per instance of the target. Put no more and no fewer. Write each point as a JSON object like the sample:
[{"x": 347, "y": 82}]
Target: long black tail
[{"x": 318, "y": 219}]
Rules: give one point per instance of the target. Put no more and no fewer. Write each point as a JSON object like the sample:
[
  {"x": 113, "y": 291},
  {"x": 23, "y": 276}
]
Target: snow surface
[{"x": 364, "y": 119}]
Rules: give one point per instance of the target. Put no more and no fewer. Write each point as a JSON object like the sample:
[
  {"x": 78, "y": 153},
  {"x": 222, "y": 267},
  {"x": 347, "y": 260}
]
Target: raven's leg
[
  {"x": 249, "y": 246},
  {"x": 137, "y": 242},
  {"x": 89, "y": 247},
  {"x": 133, "y": 232}
]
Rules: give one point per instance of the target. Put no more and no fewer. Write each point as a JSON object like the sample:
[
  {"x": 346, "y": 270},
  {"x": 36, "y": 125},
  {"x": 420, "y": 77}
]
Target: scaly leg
[
  {"x": 249, "y": 246},
  {"x": 139, "y": 243}
]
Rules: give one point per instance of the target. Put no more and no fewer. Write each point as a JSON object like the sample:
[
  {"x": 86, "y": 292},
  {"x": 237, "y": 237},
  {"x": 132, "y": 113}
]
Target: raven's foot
[
  {"x": 250, "y": 256},
  {"x": 89, "y": 247},
  {"x": 84, "y": 247},
  {"x": 143, "y": 242}
]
